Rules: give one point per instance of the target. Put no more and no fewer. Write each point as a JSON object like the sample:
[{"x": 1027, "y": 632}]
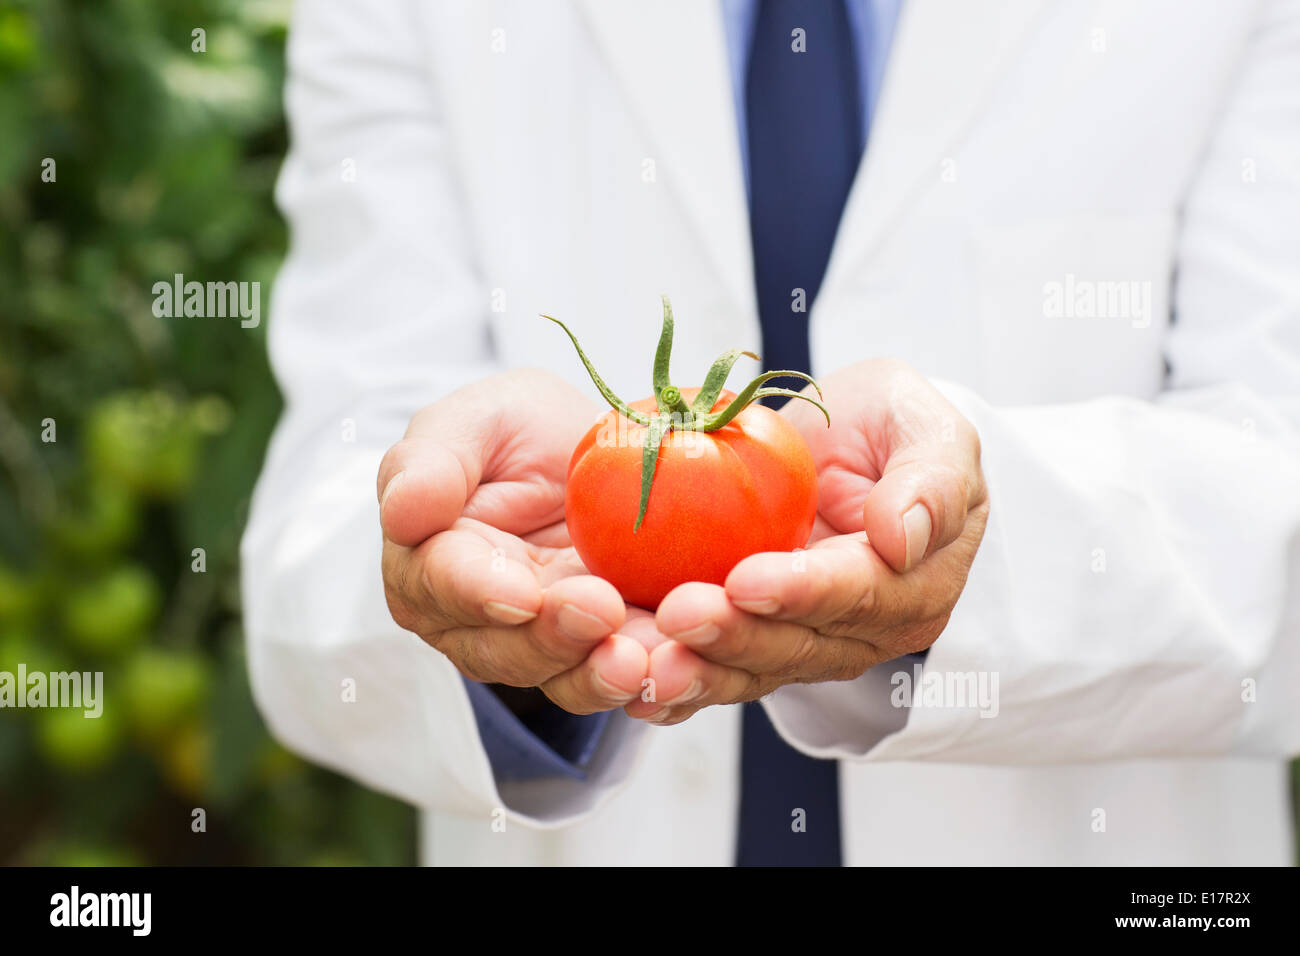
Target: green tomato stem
[
  {"x": 654, "y": 435},
  {"x": 670, "y": 400},
  {"x": 617, "y": 403},
  {"x": 663, "y": 353},
  {"x": 754, "y": 391},
  {"x": 716, "y": 378}
]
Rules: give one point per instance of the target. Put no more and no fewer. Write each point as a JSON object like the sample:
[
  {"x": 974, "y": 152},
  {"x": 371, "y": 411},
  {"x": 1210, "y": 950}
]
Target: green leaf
[{"x": 241, "y": 739}]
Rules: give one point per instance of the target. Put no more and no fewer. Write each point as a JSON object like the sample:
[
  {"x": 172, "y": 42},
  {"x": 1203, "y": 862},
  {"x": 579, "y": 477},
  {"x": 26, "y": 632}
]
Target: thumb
[
  {"x": 918, "y": 506},
  {"x": 423, "y": 486},
  {"x": 496, "y": 450}
]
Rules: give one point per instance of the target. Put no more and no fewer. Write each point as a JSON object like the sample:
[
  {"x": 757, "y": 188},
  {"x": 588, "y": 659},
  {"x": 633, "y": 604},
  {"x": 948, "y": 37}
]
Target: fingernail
[
  {"x": 690, "y": 694},
  {"x": 658, "y": 715},
  {"x": 576, "y": 623},
  {"x": 393, "y": 482},
  {"x": 507, "y": 613},
  {"x": 698, "y": 636},
  {"x": 916, "y": 532},
  {"x": 758, "y": 605}
]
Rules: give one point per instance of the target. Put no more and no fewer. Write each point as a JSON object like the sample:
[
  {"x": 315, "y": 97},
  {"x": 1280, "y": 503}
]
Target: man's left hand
[{"x": 902, "y": 506}]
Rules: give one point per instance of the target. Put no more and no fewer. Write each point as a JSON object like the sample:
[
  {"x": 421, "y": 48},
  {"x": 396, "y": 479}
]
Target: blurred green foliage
[{"x": 127, "y": 156}]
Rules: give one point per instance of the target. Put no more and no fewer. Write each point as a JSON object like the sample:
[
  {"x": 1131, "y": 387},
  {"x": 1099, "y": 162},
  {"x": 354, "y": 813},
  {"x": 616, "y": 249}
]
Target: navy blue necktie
[{"x": 805, "y": 139}]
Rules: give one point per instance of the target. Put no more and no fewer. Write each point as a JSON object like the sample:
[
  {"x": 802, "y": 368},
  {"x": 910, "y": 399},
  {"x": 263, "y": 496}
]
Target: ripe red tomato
[
  {"x": 716, "y": 497},
  {"x": 682, "y": 485}
]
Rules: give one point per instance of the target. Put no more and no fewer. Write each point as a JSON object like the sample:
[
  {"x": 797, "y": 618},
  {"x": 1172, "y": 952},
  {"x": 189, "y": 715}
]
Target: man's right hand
[{"x": 477, "y": 558}]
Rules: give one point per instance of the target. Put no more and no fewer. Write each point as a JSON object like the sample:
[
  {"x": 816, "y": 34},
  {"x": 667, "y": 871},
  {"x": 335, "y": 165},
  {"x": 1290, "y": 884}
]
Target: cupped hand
[
  {"x": 902, "y": 506},
  {"x": 477, "y": 560}
]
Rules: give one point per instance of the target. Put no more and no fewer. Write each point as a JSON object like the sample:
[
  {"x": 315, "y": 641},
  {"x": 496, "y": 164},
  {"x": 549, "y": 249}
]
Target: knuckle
[
  {"x": 919, "y": 637},
  {"x": 930, "y": 633},
  {"x": 434, "y": 590},
  {"x": 588, "y": 702},
  {"x": 843, "y": 672},
  {"x": 473, "y": 657},
  {"x": 581, "y": 696},
  {"x": 559, "y": 652},
  {"x": 979, "y": 489},
  {"x": 947, "y": 499},
  {"x": 816, "y": 591},
  {"x": 396, "y": 568},
  {"x": 466, "y": 655},
  {"x": 864, "y": 607},
  {"x": 839, "y": 665},
  {"x": 559, "y": 693},
  {"x": 511, "y": 673},
  {"x": 891, "y": 366},
  {"x": 676, "y": 715},
  {"x": 972, "y": 437},
  {"x": 950, "y": 475},
  {"x": 759, "y": 686},
  {"x": 937, "y": 603},
  {"x": 973, "y": 473},
  {"x": 851, "y": 666},
  {"x": 803, "y": 657},
  {"x": 400, "y": 611}
]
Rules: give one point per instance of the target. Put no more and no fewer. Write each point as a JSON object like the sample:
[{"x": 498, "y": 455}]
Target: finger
[
  {"x": 457, "y": 578},
  {"x": 680, "y": 682},
  {"x": 846, "y": 590},
  {"x": 911, "y": 510},
  {"x": 497, "y": 450},
  {"x": 577, "y": 614},
  {"x": 422, "y": 490},
  {"x": 839, "y": 580},
  {"x": 426, "y": 478},
  {"x": 610, "y": 676},
  {"x": 920, "y": 503},
  {"x": 703, "y": 618},
  {"x": 640, "y": 626},
  {"x": 574, "y": 618}
]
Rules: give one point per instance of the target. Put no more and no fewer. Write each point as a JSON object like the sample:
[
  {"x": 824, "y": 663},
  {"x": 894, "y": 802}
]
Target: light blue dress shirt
[
  {"x": 556, "y": 743},
  {"x": 872, "y": 22}
]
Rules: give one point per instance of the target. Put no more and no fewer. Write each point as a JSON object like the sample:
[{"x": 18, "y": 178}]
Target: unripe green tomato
[
  {"x": 163, "y": 687},
  {"x": 187, "y": 759},
  {"x": 17, "y": 646},
  {"x": 18, "y": 596},
  {"x": 82, "y": 856},
  {"x": 72, "y": 742},
  {"x": 110, "y": 614},
  {"x": 109, "y": 520},
  {"x": 146, "y": 441}
]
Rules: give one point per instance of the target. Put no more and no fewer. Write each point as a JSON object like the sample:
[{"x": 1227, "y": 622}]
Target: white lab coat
[{"x": 457, "y": 168}]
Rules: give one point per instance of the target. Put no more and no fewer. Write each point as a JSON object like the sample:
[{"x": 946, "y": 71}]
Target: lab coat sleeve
[
  {"x": 378, "y": 311},
  {"x": 1137, "y": 592}
]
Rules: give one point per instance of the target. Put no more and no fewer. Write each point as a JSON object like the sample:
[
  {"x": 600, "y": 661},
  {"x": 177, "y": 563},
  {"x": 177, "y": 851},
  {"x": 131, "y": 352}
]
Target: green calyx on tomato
[{"x": 674, "y": 413}]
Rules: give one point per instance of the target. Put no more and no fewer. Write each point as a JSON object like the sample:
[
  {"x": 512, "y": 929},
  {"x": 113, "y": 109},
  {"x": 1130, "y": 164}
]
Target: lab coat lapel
[
  {"x": 944, "y": 62},
  {"x": 670, "y": 56}
]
